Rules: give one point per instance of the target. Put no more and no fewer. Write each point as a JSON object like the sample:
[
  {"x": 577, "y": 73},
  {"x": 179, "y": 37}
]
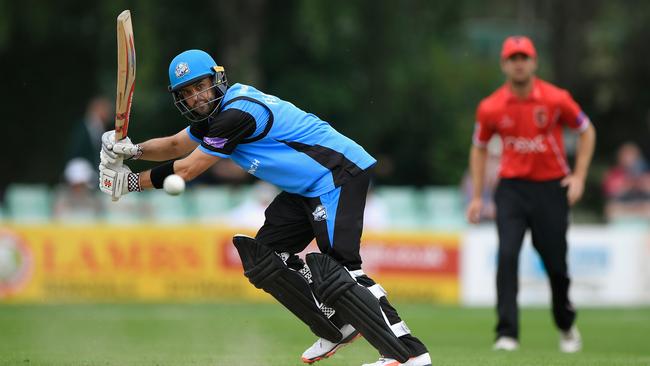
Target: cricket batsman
[{"x": 324, "y": 178}]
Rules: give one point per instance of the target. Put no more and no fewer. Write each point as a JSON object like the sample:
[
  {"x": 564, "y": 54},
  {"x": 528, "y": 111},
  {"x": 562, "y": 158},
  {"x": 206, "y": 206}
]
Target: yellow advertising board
[{"x": 192, "y": 263}]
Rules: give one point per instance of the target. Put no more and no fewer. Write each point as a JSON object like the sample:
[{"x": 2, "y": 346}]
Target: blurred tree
[
  {"x": 389, "y": 76},
  {"x": 50, "y": 63},
  {"x": 402, "y": 78}
]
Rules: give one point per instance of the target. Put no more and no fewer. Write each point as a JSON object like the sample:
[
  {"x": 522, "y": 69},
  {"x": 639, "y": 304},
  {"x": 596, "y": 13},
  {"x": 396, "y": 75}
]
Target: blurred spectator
[
  {"x": 627, "y": 185},
  {"x": 85, "y": 139},
  {"x": 75, "y": 200},
  {"x": 250, "y": 213},
  {"x": 490, "y": 181}
]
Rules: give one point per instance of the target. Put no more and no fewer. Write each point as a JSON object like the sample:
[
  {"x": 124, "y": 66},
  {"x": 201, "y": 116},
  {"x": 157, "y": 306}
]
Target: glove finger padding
[
  {"x": 126, "y": 148},
  {"x": 108, "y": 140},
  {"x": 108, "y": 149},
  {"x": 108, "y": 158}
]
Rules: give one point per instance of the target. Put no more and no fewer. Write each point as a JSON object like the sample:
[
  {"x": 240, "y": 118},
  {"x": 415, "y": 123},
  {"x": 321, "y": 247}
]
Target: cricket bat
[{"x": 125, "y": 76}]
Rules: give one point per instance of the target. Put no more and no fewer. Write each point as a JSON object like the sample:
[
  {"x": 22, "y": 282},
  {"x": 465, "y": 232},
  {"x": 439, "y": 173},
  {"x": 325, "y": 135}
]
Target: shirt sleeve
[
  {"x": 571, "y": 114},
  {"x": 197, "y": 130},
  {"x": 483, "y": 129},
  {"x": 227, "y": 131}
]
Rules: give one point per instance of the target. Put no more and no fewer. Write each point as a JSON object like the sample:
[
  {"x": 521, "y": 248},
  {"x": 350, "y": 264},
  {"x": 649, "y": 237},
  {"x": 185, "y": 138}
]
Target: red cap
[{"x": 518, "y": 44}]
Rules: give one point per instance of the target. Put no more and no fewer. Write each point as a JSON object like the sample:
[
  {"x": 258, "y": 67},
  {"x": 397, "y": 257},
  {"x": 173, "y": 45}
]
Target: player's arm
[
  {"x": 188, "y": 168},
  {"x": 167, "y": 148},
  {"x": 584, "y": 152},
  {"x": 483, "y": 131},
  {"x": 158, "y": 149},
  {"x": 118, "y": 180},
  {"x": 221, "y": 138},
  {"x": 477, "y": 162},
  {"x": 574, "y": 118}
]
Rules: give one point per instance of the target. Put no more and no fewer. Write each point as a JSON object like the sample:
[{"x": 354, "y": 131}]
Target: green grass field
[{"x": 266, "y": 334}]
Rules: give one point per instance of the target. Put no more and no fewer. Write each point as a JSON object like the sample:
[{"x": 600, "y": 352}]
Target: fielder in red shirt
[{"x": 536, "y": 184}]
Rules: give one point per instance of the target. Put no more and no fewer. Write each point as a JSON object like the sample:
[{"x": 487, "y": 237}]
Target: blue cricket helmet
[{"x": 189, "y": 67}]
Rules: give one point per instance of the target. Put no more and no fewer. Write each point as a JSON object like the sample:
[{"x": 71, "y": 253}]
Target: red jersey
[{"x": 530, "y": 130}]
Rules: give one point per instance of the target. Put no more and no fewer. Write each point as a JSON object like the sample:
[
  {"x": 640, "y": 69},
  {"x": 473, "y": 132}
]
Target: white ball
[{"x": 174, "y": 184}]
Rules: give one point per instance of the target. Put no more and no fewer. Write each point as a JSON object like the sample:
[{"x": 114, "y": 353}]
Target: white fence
[{"x": 609, "y": 266}]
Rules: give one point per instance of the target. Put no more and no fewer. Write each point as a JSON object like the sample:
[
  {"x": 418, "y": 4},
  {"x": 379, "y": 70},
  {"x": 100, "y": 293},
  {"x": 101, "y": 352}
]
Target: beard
[
  {"x": 521, "y": 80},
  {"x": 521, "y": 83},
  {"x": 204, "y": 108}
]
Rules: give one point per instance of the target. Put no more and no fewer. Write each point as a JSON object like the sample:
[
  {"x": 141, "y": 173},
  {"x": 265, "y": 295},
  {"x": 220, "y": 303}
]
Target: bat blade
[{"x": 125, "y": 74}]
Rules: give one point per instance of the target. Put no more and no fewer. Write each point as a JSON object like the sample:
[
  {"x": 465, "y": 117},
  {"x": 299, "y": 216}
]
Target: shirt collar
[{"x": 534, "y": 95}]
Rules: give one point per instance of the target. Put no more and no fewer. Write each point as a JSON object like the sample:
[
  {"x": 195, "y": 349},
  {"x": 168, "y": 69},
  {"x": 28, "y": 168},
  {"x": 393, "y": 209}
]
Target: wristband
[
  {"x": 159, "y": 173},
  {"x": 133, "y": 183}
]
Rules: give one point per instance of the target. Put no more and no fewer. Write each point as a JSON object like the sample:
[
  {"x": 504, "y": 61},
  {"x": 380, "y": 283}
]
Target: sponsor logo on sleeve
[{"x": 216, "y": 142}]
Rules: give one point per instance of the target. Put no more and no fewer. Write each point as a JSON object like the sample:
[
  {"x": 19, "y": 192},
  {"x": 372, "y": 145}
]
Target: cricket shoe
[
  {"x": 421, "y": 360},
  {"x": 504, "y": 343},
  {"x": 324, "y": 348},
  {"x": 570, "y": 340}
]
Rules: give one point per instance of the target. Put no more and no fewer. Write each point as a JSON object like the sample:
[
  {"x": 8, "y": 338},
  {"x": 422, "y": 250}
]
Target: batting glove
[
  {"x": 127, "y": 150},
  {"x": 114, "y": 152},
  {"x": 116, "y": 181}
]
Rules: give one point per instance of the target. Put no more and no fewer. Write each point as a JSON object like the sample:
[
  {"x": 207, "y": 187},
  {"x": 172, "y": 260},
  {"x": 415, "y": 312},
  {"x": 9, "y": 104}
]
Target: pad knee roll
[
  {"x": 267, "y": 271},
  {"x": 356, "y": 304}
]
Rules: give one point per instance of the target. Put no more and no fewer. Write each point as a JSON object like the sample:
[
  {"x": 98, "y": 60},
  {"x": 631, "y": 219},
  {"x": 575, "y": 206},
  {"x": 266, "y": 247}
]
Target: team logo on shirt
[
  {"x": 181, "y": 69},
  {"x": 540, "y": 116},
  {"x": 320, "y": 213},
  {"x": 254, "y": 165},
  {"x": 506, "y": 122}
]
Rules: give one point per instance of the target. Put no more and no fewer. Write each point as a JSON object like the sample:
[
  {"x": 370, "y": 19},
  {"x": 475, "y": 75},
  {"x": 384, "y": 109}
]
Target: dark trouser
[
  {"x": 542, "y": 207},
  {"x": 335, "y": 219}
]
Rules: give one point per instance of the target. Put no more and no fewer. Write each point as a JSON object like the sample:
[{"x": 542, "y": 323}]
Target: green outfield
[{"x": 254, "y": 334}]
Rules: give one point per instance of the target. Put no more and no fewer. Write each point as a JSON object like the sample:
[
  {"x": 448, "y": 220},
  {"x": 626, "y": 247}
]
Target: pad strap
[
  {"x": 377, "y": 291},
  {"x": 357, "y": 273},
  {"x": 400, "y": 329}
]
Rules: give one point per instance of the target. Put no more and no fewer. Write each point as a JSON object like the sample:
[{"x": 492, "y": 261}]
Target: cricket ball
[{"x": 174, "y": 185}]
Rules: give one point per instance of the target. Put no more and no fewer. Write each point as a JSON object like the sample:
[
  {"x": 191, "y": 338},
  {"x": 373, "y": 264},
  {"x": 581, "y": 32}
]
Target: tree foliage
[{"x": 403, "y": 78}]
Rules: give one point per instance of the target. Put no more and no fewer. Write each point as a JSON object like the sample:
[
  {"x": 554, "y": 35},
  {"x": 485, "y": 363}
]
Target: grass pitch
[{"x": 268, "y": 335}]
